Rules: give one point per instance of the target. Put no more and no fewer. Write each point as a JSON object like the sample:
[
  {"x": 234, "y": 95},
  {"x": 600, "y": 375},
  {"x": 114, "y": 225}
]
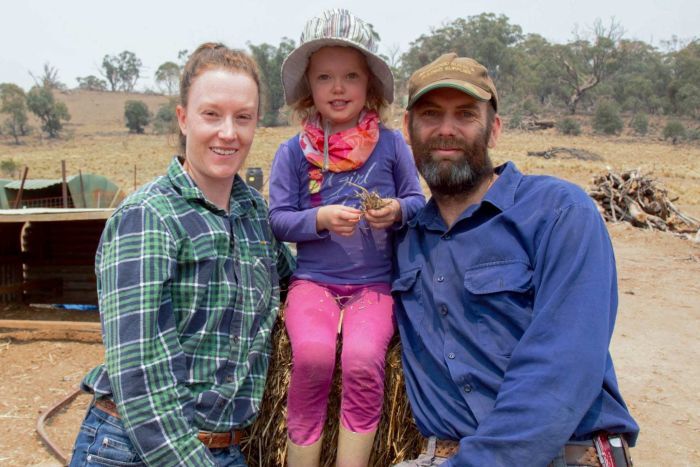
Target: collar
[
  {"x": 501, "y": 195},
  {"x": 502, "y": 192},
  {"x": 241, "y": 201}
]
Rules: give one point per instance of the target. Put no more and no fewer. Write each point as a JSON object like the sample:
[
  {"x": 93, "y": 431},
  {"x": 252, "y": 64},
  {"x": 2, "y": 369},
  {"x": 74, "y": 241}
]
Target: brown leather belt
[
  {"x": 212, "y": 440},
  {"x": 221, "y": 440},
  {"x": 574, "y": 454},
  {"x": 443, "y": 447}
]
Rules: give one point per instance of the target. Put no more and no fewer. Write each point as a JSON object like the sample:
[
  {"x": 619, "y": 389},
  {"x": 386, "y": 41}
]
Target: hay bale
[{"x": 397, "y": 437}]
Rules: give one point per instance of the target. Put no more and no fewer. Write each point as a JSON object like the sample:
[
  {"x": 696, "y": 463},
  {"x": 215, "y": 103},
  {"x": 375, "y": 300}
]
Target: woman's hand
[
  {"x": 338, "y": 219},
  {"x": 384, "y": 217}
]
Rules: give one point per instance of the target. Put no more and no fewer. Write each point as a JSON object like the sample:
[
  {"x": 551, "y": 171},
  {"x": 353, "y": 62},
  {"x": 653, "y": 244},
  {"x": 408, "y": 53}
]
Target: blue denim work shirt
[{"x": 505, "y": 320}]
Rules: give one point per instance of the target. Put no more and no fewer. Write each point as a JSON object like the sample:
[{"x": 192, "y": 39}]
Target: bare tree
[
  {"x": 585, "y": 64},
  {"x": 48, "y": 78}
]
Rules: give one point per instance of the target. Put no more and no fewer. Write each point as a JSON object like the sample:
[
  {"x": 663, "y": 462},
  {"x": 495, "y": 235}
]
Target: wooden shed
[{"x": 48, "y": 255}]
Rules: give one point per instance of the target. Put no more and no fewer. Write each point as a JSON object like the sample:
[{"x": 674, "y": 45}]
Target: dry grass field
[{"x": 655, "y": 346}]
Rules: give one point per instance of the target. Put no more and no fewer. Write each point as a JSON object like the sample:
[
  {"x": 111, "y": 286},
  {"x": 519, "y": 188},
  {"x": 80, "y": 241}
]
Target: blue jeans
[
  {"x": 102, "y": 441},
  {"x": 426, "y": 459}
]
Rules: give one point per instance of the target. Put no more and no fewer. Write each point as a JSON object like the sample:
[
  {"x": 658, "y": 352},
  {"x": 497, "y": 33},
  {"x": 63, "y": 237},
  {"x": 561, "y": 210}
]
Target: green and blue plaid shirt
[{"x": 188, "y": 296}]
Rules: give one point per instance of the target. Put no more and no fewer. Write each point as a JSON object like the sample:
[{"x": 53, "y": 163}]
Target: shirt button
[
  {"x": 229, "y": 379},
  {"x": 447, "y": 236},
  {"x": 236, "y": 339},
  {"x": 467, "y": 388},
  {"x": 451, "y": 356},
  {"x": 443, "y": 310},
  {"x": 440, "y": 278}
]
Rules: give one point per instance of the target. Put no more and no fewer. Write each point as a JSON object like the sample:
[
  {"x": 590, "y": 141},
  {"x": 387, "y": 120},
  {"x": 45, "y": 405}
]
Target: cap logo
[{"x": 447, "y": 67}]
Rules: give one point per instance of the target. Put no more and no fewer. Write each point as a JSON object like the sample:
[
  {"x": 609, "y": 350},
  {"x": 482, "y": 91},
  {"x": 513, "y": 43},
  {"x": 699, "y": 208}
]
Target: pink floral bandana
[{"x": 346, "y": 150}]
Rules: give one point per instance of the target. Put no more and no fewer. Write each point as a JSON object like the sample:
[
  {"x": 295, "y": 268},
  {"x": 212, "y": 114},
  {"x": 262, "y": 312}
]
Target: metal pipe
[
  {"x": 18, "y": 200},
  {"x": 64, "y": 185},
  {"x": 50, "y": 445},
  {"x": 82, "y": 188}
]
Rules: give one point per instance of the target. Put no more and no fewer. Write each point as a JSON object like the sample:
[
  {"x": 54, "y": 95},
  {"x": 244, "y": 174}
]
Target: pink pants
[{"x": 312, "y": 314}]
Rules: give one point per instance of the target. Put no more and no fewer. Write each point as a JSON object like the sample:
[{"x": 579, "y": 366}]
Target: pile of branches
[
  {"x": 638, "y": 199},
  {"x": 566, "y": 153},
  {"x": 532, "y": 123}
]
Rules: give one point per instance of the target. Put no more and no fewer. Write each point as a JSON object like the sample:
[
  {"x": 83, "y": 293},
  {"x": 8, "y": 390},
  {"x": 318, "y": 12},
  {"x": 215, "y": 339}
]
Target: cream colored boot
[
  {"x": 354, "y": 449},
  {"x": 304, "y": 456}
]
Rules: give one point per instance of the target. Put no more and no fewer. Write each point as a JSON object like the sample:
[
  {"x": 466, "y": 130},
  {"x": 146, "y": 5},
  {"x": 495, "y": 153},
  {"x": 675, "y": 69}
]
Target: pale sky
[{"x": 74, "y": 35}]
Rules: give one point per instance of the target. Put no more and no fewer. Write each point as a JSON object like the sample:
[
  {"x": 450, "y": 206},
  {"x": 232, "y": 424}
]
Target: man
[{"x": 506, "y": 296}]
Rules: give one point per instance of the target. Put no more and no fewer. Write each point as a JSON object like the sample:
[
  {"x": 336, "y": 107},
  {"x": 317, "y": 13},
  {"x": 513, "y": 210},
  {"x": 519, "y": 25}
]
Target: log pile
[
  {"x": 638, "y": 199},
  {"x": 566, "y": 153},
  {"x": 532, "y": 123}
]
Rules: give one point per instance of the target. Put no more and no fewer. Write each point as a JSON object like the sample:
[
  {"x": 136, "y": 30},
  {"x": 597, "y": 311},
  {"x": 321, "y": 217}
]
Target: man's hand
[
  {"x": 384, "y": 217},
  {"x": 338, "y": 219}
]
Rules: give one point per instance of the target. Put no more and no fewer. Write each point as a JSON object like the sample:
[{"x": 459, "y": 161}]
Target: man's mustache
[{"x": 446, "y": 142}]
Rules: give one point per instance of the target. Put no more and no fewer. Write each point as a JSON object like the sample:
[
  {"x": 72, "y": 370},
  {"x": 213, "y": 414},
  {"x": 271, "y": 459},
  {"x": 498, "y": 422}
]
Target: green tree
[
  {"x": 487, "y": 37},
  {"x": 536, "y": 68},
  {"x": 607, "y": 118},
  {"x": 41, "y": 102},
  {"x": 182, "y": 56},
  {"x": 110, "y": 71},
  {"x": 640, "y": 124},
  {"x": 121, "y": 71},
  {"x": 168, "y": 77},
  {"x": 641, "y": 80},
  {"x": 569, "y": 126},
  {"x": 137, "y": 116},
  {"x": 269, "y": 59},
  {"x": 684, "y": 90},
  {"x": 165, "y": 120},
  {"x": 13, "y": 103},
  {"x": 674, "y": 130},
  {"x": 9, "y": 168},
  {"x": 91, "y": 83}
]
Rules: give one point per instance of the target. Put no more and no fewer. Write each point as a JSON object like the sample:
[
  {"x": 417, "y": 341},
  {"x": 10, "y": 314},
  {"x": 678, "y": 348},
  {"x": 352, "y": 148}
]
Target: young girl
[{"x": 338, "y": 86}]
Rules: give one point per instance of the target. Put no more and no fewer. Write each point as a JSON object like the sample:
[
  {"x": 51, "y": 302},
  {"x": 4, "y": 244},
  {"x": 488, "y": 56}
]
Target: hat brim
[
  {"x": 294, "y": 68},
  {"x": 467, "y": 88}
]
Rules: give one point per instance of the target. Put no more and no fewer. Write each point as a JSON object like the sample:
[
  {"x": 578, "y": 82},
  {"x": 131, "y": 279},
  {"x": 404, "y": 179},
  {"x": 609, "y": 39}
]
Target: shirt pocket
[
  {"x": 263, "y": 279},
  {"x": 500, "y": 296},
  {"x": 408, "y": 290}
]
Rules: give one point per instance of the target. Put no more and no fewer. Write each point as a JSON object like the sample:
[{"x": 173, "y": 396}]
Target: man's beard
[{"x": 452, "y": 177}]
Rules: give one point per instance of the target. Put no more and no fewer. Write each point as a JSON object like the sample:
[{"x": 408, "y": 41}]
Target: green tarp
[{"x": 86, "y": 191}]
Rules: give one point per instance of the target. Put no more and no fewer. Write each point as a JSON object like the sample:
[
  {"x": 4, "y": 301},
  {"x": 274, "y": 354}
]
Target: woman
[{"x": 187, "y": 278}]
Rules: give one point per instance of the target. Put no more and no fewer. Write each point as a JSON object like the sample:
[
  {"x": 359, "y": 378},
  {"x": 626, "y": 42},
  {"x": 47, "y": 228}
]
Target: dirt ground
[{"x": 655, "y": 349}]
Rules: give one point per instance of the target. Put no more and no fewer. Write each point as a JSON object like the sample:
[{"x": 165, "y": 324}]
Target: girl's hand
[
  {"x": 384, "y": 217},
  {"x": 338, "y": 219}
]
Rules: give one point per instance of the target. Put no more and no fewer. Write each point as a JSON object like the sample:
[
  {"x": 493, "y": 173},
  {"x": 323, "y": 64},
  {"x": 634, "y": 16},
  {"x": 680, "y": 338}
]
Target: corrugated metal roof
[
  {"x": 33, "y": 184},
  {"x": 40, "y": 183}
]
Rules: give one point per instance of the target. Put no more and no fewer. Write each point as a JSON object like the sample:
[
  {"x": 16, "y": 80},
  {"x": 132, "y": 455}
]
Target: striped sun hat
[{"x": 335, "y": 27}]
